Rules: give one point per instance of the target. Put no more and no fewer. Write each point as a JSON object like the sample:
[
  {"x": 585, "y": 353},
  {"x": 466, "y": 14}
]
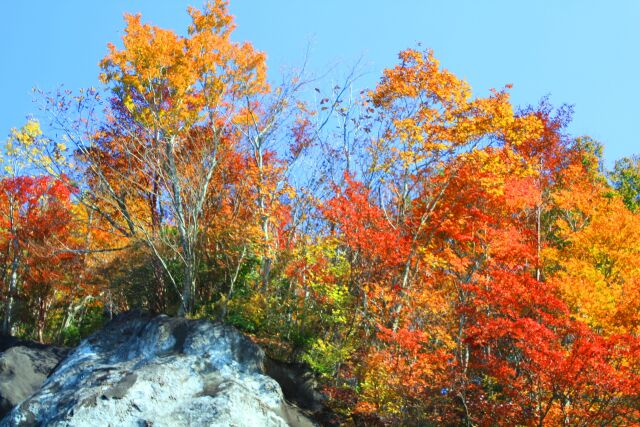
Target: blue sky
[{"x": 585, "y": 53}]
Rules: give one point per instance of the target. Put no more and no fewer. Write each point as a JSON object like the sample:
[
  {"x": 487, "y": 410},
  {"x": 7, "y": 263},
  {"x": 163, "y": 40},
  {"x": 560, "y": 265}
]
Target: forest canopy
[{"x": 434, "y": 256}]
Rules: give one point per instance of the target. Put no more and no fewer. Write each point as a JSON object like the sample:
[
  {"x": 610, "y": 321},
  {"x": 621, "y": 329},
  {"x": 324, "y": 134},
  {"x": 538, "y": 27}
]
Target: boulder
[
  {"x": 24, "y": 366},
  {"x": 159, "y": 371}
]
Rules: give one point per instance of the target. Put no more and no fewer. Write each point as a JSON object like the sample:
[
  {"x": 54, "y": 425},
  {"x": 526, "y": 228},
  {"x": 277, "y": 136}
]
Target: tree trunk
[
  {"x": 187, "y": 239},
  {"x": 158, "y": 298},
  {"x": 43, "y": 307},
  {"x": 266, "y": 272},
  {"x": 188, "y": 283},
  {"x": 159, "y": 288},
  {"x": 7, "y": 322},
  {"x": 266, "y": 260}
]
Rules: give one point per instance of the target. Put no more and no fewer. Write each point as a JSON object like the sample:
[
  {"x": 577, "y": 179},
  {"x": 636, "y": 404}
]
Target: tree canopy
[{"x": 435, "y": 257}]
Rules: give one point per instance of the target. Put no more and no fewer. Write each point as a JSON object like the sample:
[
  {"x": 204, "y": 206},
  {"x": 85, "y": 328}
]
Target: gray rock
[
  {"x": 161, "y": 371},
  {"x": 24, "y": 367}
]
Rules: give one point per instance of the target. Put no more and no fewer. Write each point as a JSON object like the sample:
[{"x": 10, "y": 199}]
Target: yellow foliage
[{"x": 599, "y": 271}]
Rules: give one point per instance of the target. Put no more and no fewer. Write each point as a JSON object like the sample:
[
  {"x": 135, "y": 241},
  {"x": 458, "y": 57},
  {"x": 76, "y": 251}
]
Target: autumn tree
[
  {"x": 36, "y": 220},
  {"x": 447, "y": 243},
  {"x": 172, "y": 106},
  {"x": 437, "y": 258},
  {"x": 593, "y": 262},
  {"x": 390, "y": 230}
]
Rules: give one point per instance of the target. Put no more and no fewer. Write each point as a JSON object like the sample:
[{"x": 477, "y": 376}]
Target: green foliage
[
  {"x": 90, "y": 319},
  {"x": 625, "y": 178},
  {"x": 592, "y": 156},
  {"x": 70, "y": 336},
  {"x": 325, "y": 357},
  {"x": 243, "y": 320}
]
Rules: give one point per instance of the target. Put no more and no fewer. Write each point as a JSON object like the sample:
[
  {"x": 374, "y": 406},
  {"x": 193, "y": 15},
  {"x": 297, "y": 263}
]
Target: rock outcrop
[
  {"x": 24, "y": 366},
  {"x": 160, "y": 371}
]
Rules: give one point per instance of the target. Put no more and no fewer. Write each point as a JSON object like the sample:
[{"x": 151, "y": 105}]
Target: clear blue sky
[{"x": 585, "y": 53}]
